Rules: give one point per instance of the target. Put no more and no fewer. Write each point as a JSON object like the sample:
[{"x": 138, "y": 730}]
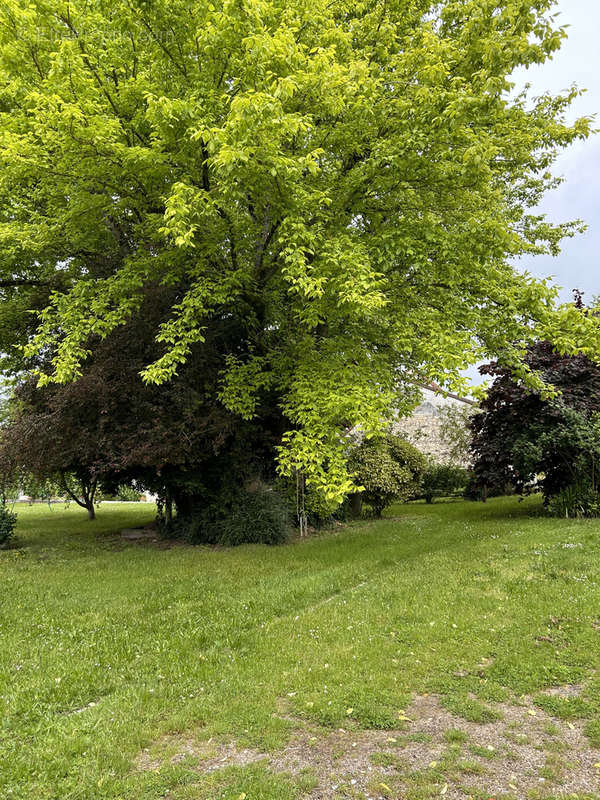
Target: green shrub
[
  {"x": 261, "y": 516},
  {"x": 576, "y": 501},
  {"x": 388, "y": 468},
  {"x": 441, "y": 480},
  {"x": 8, "y": 521},
  {"x": 127, "y": 493}
]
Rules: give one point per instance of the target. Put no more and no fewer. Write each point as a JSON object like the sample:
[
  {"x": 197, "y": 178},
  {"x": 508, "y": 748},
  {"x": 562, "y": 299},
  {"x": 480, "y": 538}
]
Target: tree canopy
[
  {"x": 344, "y": 185},
  {"x": 108, "y": 427}
]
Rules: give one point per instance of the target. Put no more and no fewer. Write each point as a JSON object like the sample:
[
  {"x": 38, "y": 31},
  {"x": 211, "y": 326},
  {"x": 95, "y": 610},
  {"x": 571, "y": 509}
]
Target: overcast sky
[{"x": 578, "y": 62}]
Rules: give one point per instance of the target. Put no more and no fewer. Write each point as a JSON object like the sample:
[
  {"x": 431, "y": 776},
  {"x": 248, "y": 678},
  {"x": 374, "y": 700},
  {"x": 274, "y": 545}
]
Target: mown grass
[{"x": 105, "y": 646}]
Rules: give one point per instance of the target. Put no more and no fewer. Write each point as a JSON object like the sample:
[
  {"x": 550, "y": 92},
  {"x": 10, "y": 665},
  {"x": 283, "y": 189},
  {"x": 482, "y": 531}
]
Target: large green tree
[{"x": 347, "y": 181}]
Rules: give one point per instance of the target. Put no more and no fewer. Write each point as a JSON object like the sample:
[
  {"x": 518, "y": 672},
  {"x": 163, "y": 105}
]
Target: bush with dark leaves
[
  {"x": 259, "y": 516},
  {"x": 8, "y": 521}
]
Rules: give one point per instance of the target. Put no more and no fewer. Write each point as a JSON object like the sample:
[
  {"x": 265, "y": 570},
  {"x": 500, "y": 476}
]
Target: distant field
[{"x": 449, "y": 650}]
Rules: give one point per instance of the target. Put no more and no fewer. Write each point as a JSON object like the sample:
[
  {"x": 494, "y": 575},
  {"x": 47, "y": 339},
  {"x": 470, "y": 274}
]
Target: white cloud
[{"x": 577, "y": 62}]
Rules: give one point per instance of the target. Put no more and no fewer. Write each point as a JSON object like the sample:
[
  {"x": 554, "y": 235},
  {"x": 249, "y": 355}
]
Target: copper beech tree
[
  {"x": 108, "y": 427},
  {"x": 534, "y": 441}
]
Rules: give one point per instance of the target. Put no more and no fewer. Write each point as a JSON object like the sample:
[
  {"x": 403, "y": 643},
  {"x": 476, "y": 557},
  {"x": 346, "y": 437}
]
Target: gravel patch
[{"x": 525, "y": 751}]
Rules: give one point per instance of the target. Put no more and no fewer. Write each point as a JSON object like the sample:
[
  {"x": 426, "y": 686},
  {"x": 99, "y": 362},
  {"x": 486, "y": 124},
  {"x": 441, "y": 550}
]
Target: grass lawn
[{"x": 449, "y": 650}]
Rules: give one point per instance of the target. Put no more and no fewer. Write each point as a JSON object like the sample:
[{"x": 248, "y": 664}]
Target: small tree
[
  {"x": 82, "y": 487},
  {"x": 47, "y": 460},
  {"x": 388, "y": 468}
]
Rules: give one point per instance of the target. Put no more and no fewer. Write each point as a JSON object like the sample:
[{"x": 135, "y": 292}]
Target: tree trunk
[
  {"x": 88, "y": 492},
  {"x": 355, "y": 502},
  {"x": 168, "y": 509}
]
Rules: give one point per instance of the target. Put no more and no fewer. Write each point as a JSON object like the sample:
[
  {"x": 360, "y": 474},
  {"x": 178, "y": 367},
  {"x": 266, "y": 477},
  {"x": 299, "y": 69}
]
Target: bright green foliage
[
  {"x": 43, "y": 489},
  {"x": 347, "y": 180},
  {"x": 387, "y": 469},
  {"x": 128, "y": 493}
]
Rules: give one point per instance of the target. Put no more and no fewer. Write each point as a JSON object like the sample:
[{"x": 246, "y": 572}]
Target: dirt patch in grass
[
  {"x": 568, "y": 691},
  {"x": 525, "y": 752}
]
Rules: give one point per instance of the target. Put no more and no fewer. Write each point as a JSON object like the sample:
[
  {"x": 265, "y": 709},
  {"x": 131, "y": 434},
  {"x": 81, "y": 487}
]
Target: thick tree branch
[
  {"x": 71, "y": 494},
  {"x": 10, "y": 283}
]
